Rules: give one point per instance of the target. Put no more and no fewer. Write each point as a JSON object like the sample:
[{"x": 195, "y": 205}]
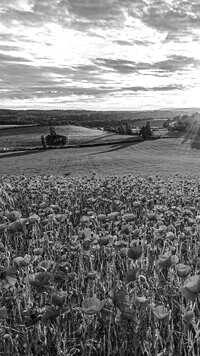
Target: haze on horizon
[{"x": 99, "y": 54}]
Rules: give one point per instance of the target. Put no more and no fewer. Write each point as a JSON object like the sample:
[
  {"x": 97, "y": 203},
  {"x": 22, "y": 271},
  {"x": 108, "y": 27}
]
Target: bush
[
  {"x": 53, "y": 140},
  {"x": 56, "y": 141}
]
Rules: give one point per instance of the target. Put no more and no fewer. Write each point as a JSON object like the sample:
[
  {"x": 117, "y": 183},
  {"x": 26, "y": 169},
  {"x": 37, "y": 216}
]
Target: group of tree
[
  {"x": 145, "y": 131},
  {"x": 125, "y": 128},
  {"x": 178, "y": 123},
  {"x": 53, "y": 140}
]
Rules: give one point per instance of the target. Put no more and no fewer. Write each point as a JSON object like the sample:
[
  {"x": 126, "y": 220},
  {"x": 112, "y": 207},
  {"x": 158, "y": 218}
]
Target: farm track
[{"x": 162, "y": 157}]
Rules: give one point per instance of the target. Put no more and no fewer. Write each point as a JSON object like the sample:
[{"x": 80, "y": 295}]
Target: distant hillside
[{"x": 87, "y": 118}]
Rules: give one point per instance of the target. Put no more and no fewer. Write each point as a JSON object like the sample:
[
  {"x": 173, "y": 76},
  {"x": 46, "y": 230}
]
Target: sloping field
[
  {"x": 28, "y": 137},
  {"x": 163, "y": 157}
]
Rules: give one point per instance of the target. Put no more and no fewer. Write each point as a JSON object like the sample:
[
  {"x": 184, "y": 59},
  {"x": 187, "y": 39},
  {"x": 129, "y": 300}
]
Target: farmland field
[
  {"x": 29, "y": 137},
  {"x": 164, "y": 157}
]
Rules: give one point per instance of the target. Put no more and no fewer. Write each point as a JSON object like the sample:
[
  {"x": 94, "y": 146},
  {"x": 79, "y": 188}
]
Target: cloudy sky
[{"x": 99, "y": 54}]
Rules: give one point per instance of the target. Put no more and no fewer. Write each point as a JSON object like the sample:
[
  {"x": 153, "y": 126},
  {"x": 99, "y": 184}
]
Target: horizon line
[{"x": 106, "y": 110}]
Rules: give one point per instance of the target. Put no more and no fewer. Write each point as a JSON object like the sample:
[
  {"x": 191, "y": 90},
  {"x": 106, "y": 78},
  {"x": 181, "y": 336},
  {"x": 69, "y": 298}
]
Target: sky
[{"x": 99, "y": 54}]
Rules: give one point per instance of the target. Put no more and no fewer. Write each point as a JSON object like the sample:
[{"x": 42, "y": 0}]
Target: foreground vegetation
[{"x": 99, "y": 266}]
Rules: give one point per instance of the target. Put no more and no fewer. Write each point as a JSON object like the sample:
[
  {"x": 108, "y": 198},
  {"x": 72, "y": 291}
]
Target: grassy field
[
  {"x": 30, "y": 137},
  {"x": 163, "y": 157},
  {"x": 26, "y": 137}
]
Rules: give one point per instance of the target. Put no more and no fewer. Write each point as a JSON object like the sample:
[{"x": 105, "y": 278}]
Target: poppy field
[{"x": 99, "y": 265}]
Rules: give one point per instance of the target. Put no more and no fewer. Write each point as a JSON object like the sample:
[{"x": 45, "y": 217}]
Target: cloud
[
  {"x": 7, "y": 47},
  {"x": 175, "y": 17},
  {"x": 176, "y": 63},
  {"x": 124, "y": 43},
  {"x": 21, "y": 75},
  {"x": 173, "y": 63},
  {"x": 22, "y": 79},
  {"x": 178, "y": 18},
  {"x": 99, "y": 49},
  {"x": 104, "y": 11},
  {"x": 56, "y": 91},
  {"x": 16, "y": 4},
  {"x": 30, "y": 13},
  {"x": 5, "y": 58},
  {"x": 119, "y": 65},
  {"x": 86, "y": 68},
  {"x": 133, "y": 42},
  {"x": 158, "y": 88},
  {"x": 75, "y": 14}
]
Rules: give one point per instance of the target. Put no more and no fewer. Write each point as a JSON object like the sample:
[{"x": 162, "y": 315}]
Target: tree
[
  {"x": 148, "y": 129},
  {"x": 53, "y": 140},
  {"x": 128, "y": 129},
  {"x": 145, "y": 131},
  {"x": 43, "y": 141},
  {"x": 52, "y": 131}
]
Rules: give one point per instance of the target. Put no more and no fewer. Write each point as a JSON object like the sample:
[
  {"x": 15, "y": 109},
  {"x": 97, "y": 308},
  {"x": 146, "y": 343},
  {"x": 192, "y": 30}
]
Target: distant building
[{"x": 135, "y": 131}]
